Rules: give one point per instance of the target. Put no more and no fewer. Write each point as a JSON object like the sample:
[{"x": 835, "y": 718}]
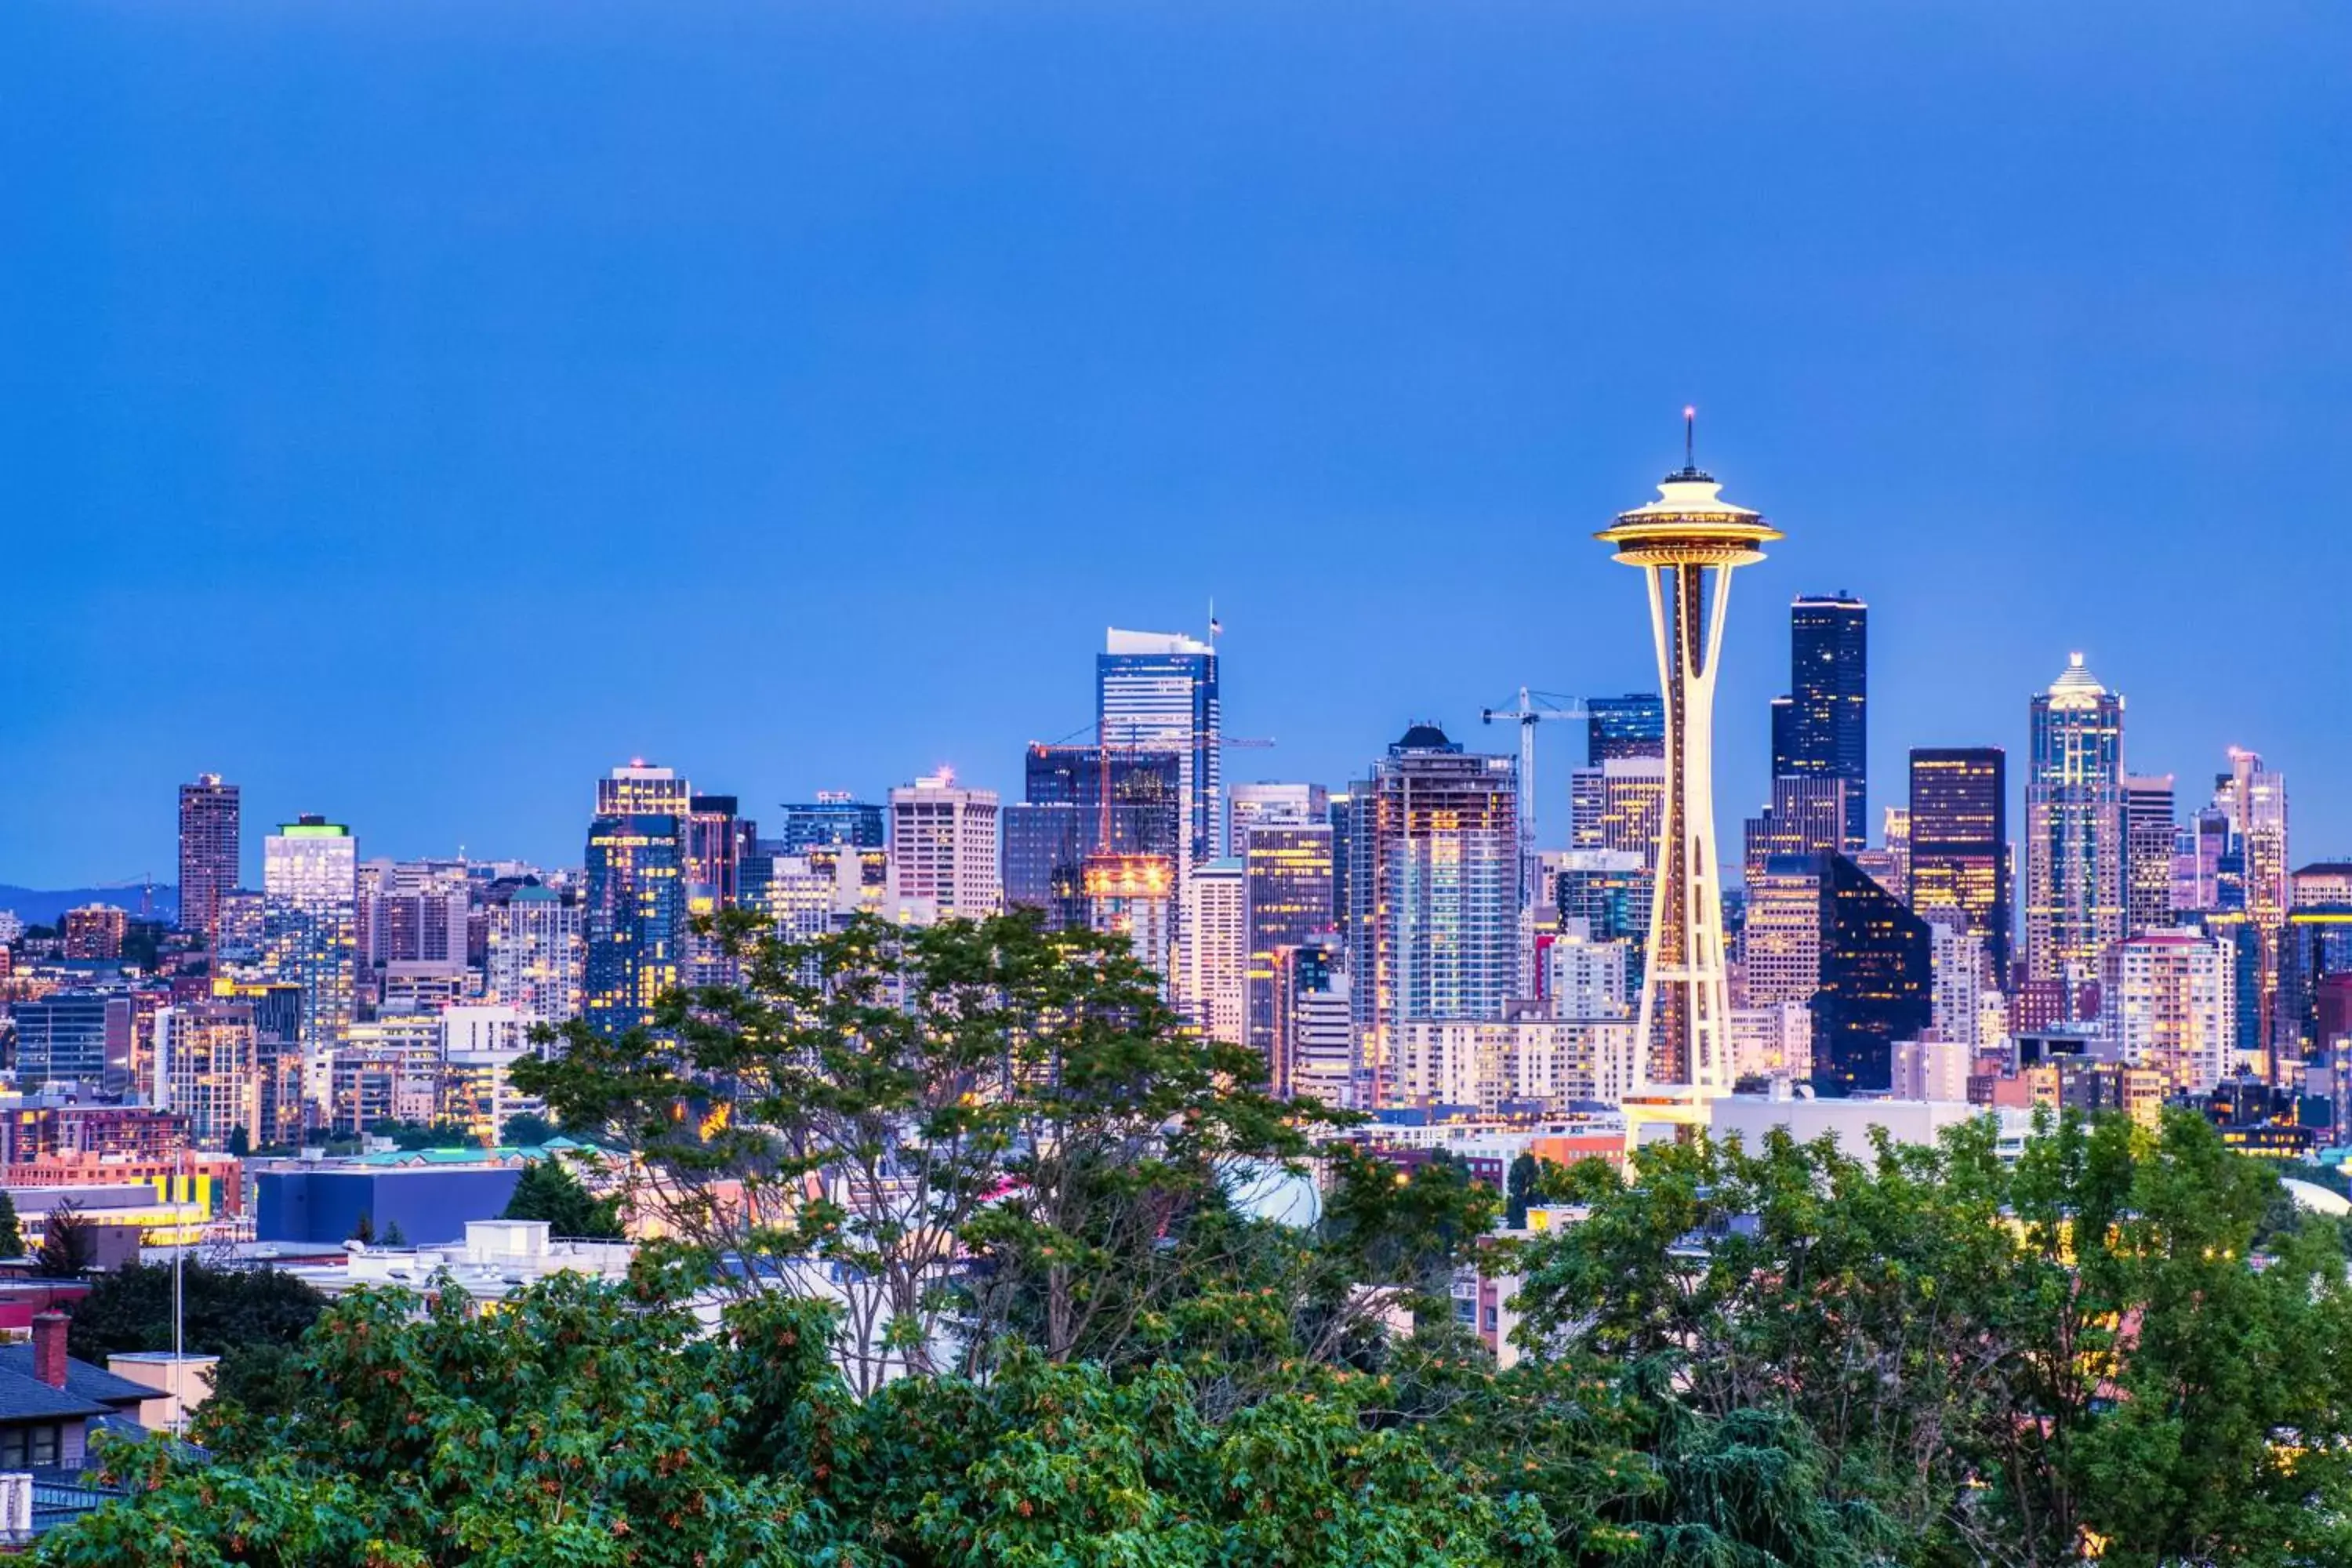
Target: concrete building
[
  {"x": 943, "y": 848},
  {"x": 1551, "y": 1063},
  {"x": 1215, "y": 950}
]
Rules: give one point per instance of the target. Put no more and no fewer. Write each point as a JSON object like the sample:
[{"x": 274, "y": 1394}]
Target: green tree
[
  {"x": 67, "y": 1248},
  {"x": 240, "y": 1142},
  {"x": 885, "y": 1101},
  {"x": 12, "y": 1234},
  {"x": 526, "y": 1129},
  {"x": 251, "y": 1319},
  {"x": 547, "y": 1190}
]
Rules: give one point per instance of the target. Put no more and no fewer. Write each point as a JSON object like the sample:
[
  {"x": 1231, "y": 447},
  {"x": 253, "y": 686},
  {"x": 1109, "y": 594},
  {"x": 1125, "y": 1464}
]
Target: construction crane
[{"x": 1534, "y": 708}]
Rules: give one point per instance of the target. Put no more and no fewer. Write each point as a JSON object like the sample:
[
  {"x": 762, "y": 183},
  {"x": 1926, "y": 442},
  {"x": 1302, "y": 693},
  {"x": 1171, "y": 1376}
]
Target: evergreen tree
[
  {"x": 12, "y": 1234},
  {"x": 67, "y": 1247},
  {"x": 548, "y": 1191}
]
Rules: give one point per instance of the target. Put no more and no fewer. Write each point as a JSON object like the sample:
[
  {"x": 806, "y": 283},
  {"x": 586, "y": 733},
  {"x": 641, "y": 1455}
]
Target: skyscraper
[
  {"x": 2168, "y": 1001},
  {"x": 1807, "y": 817},
  {"x": 1686, "y": 543},
  {"x": 1157, "y": 691},
  {"x": 1215, "y": 964},
  {"x": 211, "y": 845},
  {"x": 1634, "y": 725},
  {"x": 310, "y": 937},
  {"x": 634, "y": 921},
  {"x": 2255, "y": 799},
  {"x": 2073, "y": 827},
  {"x": 2147, "y": 853},
  {"x": 537, "y": 953},
  {"x": 1287, "y": 867},
  {"x": 943, "y": 850},
  {"x": 1877, "y": 982},
  {"x": 1618, "y": 805},
  {"x": 1440, "y": 890},
  {"x": 1249, "y": 804},
  {"x": 1826, "y": 732},
  {"x": 1960, "y": 843}
]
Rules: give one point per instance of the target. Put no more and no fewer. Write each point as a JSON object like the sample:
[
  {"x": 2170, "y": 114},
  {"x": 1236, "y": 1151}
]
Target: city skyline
[{"x": 2012, "y": 408}]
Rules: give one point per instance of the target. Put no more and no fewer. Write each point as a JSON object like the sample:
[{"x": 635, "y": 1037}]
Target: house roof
[
  {"x": 24, "y": 1397},
  {"x": 83, "y": 1379}
]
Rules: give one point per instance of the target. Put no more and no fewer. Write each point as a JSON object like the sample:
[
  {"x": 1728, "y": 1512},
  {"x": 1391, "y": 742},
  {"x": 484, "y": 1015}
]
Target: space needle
[{"x": 1686, "y": 543}]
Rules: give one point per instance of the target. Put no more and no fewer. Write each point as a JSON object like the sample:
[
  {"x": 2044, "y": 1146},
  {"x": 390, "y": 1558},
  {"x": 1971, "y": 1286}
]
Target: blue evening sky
[{"x": 412, "y": 408}]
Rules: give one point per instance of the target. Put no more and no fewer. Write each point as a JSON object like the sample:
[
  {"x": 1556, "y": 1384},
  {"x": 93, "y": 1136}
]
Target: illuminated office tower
[
  {"x": 1897, "y": 839},
  {"x": 1808, "y": 818},
  {"x": 1618, "y": 805},
  {"x": 1686, "y": 543},
  {"x": 1215, "y": 948},
  {"x": 2073, "y": 827},
  {"x": 640, "y": 789},
  {"x": 2168, "y": 1001},
  {"x": 537, "y": 953},
  {"x": 2147, "y": 853},
  {"x": 1287, "y": 872},
  {"x": 2311, "y": 1015},
  {"x": 835, "y": 816},
  {"x": 1440, "y": 890},
  {"x": 211, "y": 845},
  {"x": 1877, "y": 982},
  {"x": 1959, "y": 850},
  {"x": 1781, "y": 950},
  {"x": 1823, "y": 731},
  {"x": 1634, "y": 725},
  {"x": 943, "y": 850},
  {"x": 1250, "y": 805},
  {"x": 310, "y": 935},
  {"x": 633, "y": 920},
  {"x": 1157, "y": 691}
]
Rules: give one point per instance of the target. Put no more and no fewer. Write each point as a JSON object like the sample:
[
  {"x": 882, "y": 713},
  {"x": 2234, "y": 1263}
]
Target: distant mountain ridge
[{"x": 42, "y": 906}]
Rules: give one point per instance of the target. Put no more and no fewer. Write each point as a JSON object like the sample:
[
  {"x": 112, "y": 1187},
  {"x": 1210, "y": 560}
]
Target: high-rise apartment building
[
  {"x": 943, "y": 850},
  {"x": 1634, "y": 725},
  {"x": 1896, "y": 836},
  {"x": 1215, "y": 948},
  {"x": 1877, "y": 982},
  {"x": 208, "y": 1070},
  {"x": 211, "y": 845},
  {"x": 2168, "y": 1001},
  {"x": 1287, "y": 874},
  {"x": 1959, "y": 850},
  {"x": 2073, "y": 827},
  {"x": 1823, "y": 731},
  {"x": 2149, "y": 832},
  {"x": 537, "y": 953},
  {"x": 1157, "y": 691},
  {"x": 1956, "y": 962},
  {"x": 95, "y": 931},
  {"x": 1440, "y": 847},
  {"x": 1686, "y": 543},
  {"x": 73, "y": 1036}
]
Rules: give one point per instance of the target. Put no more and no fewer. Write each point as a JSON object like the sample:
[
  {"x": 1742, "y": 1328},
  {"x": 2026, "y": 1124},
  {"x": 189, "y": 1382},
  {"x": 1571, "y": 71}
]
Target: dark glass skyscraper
[
  {"x": 634, "y": 915},
  {"x": 1826, "y": 730},
  {"x": 1877, "y": 982},
  {"x": 1960, "y": 842},
  {"x": 1634, "y": 725},
  {"x": 1286, "y": 883},
  {"x": 1059, "y": 821}
]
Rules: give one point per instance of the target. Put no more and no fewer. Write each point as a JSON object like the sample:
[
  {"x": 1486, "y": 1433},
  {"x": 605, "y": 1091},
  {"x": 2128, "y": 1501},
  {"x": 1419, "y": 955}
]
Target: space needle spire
[{"x": 1686, "y": 543}]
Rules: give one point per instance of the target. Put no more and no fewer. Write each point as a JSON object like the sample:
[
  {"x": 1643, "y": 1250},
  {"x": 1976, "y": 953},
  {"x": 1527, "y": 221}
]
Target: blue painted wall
[{"x": 428, "y": 1205}]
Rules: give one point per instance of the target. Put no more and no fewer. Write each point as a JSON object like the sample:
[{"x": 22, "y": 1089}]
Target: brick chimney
[{"x": 50, "y": 1347}]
